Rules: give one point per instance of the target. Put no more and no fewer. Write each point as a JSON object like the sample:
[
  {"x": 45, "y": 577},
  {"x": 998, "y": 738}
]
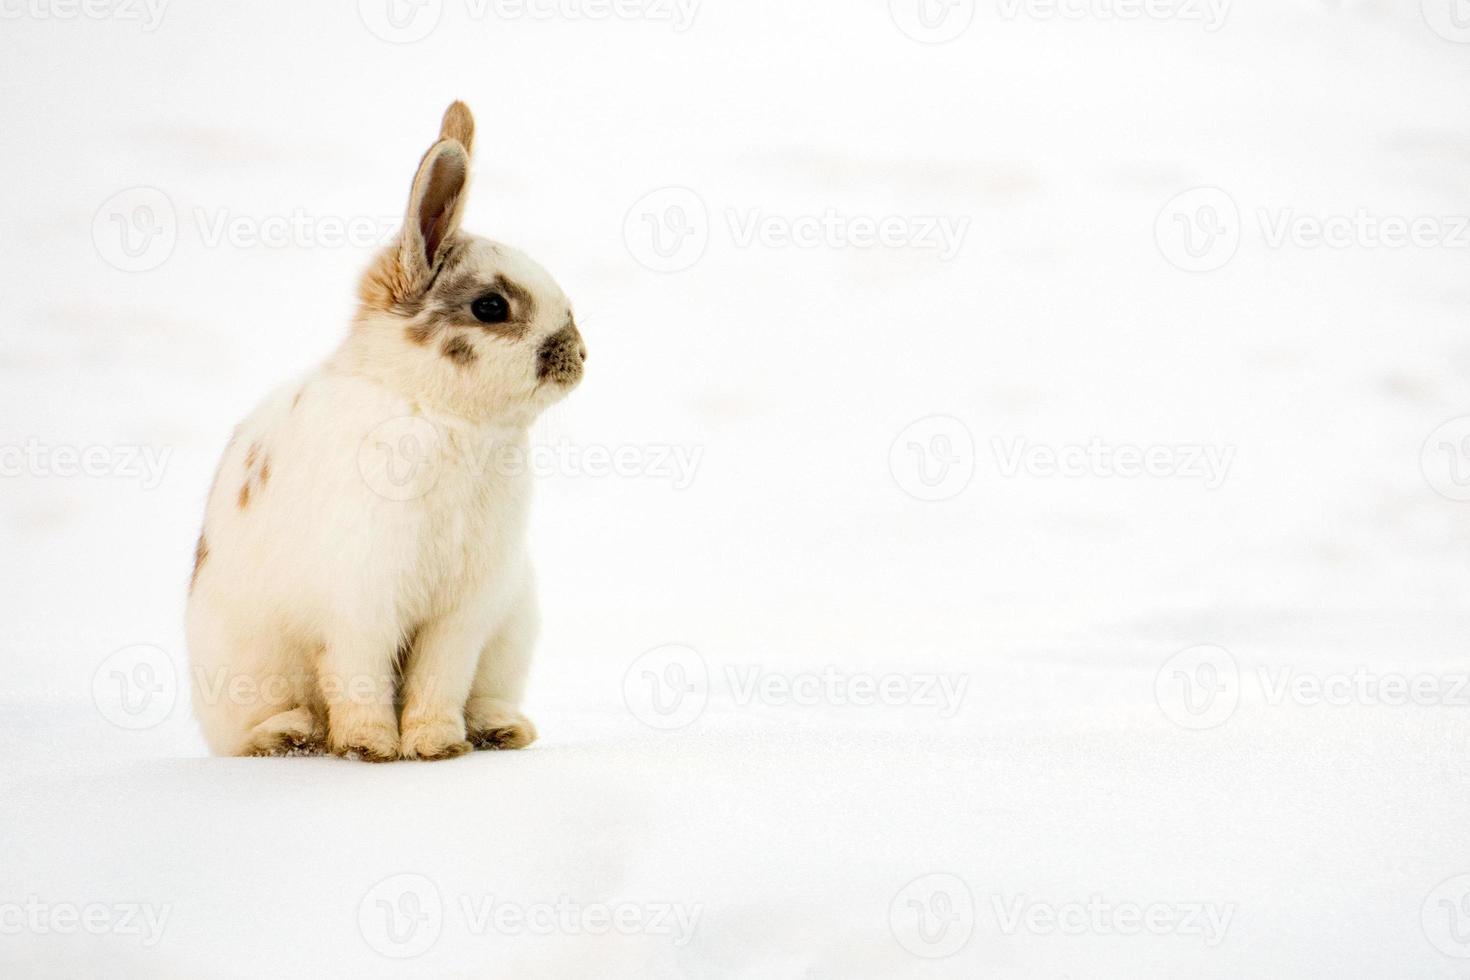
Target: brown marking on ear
[
  {"x": 244, "y": 499},
  {"x": 201, "y": 552},
  {"x": 458, "y": 125},
  {"x": 458, "y": 350}
]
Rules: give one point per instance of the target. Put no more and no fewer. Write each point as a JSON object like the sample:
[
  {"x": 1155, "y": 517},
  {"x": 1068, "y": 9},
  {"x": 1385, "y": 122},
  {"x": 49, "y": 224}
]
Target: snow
[{"x": 1062, "y": 791}]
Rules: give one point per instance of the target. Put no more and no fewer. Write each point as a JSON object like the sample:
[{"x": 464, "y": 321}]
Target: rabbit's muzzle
[{"x": 561, "y": 355}]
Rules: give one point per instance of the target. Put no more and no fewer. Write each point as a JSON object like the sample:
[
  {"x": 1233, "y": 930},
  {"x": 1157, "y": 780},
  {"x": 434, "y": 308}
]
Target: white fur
[{"x": 311, "y": 586}]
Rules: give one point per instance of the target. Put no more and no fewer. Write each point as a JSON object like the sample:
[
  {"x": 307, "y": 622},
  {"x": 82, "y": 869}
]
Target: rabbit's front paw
[
  {"x": 433, "y": 739},
  {"x": 497, "y": 725},
  {"x": 295, "y": 732},
  {"x": 369, "y": 741}
]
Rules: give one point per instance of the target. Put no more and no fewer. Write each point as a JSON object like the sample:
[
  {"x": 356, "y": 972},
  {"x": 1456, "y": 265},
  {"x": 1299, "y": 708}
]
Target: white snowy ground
[{"x": 1071, "y": 816}]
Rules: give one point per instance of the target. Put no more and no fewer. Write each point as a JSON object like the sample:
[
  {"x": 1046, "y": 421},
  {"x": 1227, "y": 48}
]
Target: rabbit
[{"x": 361, "y": 584}]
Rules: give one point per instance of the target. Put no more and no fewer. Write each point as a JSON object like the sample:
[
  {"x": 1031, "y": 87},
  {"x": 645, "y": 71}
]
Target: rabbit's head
[{"x": 459, "y": 320}]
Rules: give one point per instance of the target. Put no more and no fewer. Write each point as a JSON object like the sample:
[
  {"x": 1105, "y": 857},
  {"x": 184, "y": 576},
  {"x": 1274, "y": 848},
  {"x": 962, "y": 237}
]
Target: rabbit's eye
[{"x": 491, "y": 308}]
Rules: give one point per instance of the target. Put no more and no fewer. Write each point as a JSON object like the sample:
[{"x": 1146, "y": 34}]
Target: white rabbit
[{"x": 361, "y": 582}]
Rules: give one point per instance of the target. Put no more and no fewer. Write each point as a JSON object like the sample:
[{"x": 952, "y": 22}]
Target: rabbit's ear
[
  {"x": 458, "y": 125},
  {"x": 434, "y": 209}
]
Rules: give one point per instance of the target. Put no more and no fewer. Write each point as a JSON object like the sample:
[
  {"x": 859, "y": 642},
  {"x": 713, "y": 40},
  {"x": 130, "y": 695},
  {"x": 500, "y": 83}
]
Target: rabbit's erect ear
[
  {"x": 458, "y": 125},
  {"x": 434, "y": 209}
]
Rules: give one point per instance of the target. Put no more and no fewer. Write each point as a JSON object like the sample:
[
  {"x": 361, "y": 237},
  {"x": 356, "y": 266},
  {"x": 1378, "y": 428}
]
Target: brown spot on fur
[
  {"x": 421, "y": 333},
  {"x": 297, "y": 400},
  {"x": 520, "y": 298},
  {"x": 252, "y": 454},
  {"x": 457, "y": 291},
  {"x": 265, "y": 471},
  {"x": 458, "y": 350},
  {"x": 201, "y": 552},
  {"x": 383, "y": 283},
  {"x": 244, "y": 500}
]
